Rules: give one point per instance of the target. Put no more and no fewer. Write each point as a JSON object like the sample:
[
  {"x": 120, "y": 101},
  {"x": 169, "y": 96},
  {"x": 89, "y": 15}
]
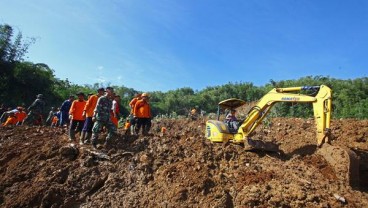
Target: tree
[{"x": 12, "y": 51}]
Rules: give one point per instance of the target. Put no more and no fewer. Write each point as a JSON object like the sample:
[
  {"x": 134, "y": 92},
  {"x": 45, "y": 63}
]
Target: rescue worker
[
  {"x": 21, "y": 115},
  {"x": 193, "y": 114},
  {"x": 115, "y": 110},
  {"x": 35, "y": 111},
  {"x": 50, "y": 116},
  {"x": 76, "y": 116},
  {"x": 232, "y": 121},
  {"x": 58, "y": 116},
  {"x": 127, "y": 126},
  {"x": 11, "y": 120},
  {"x": 102, "y": 117},
  {"x": 88, "y": 113},
  {"x": 131, "y": 116},
  {"x": 142, "y": 111},
  {"x": 6, "y": 114},
  {"x": 64, "y": 109},
  {"x": 134, "y": 101},
  {"x": 55, "y": 119}
]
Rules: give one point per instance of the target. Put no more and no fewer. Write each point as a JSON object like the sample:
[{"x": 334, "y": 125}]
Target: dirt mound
[{"x": 40, "y": 168}]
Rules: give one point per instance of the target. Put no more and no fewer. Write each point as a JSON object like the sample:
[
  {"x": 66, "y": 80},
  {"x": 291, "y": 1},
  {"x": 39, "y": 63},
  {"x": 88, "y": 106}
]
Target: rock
[
  {"x": 89, "y": 161},
  {"x": 69, "y": 151},
  {"x": 340, "y": 198}
]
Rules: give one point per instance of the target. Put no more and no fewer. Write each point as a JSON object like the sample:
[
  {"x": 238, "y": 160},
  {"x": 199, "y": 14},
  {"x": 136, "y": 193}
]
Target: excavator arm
[{"x": 321, "y": 107}]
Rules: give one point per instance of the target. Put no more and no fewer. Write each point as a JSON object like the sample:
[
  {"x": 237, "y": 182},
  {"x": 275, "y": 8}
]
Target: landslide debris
[{"x": 41, "y": 168}]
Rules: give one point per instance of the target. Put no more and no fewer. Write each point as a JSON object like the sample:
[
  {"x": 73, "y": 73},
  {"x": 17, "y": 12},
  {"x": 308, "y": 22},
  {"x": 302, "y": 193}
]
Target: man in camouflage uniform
[
  {"x": 35, "y": 111},
  {"x": 102, "y": 117}
]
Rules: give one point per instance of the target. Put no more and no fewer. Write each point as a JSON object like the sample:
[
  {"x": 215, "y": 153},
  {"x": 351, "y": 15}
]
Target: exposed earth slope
[{"x": 40, "y": 168}]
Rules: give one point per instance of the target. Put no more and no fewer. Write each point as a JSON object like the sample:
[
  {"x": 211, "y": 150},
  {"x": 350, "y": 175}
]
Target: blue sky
[{"x": 168, "y": 44}]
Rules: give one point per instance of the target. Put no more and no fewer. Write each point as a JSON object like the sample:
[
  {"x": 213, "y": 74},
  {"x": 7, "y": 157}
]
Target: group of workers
[
  {"x": 18, "y": 116},
  {"x": 87, "y": 117},
  {"x": 13, "y": 117},
  {"x": 140, "y": 115}
]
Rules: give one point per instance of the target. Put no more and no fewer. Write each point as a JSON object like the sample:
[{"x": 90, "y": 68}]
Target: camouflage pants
[{"x": 97, "y": 127}]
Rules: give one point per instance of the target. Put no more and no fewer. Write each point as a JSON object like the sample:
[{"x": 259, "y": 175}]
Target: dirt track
[{"x": 39, "y": 168}]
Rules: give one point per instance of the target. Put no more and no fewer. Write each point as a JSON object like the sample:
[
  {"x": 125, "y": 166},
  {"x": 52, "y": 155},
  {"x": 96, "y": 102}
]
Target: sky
[{"x": 161, "y": 45}]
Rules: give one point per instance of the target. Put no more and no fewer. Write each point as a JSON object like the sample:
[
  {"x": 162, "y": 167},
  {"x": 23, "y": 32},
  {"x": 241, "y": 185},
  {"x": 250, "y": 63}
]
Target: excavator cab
[
  {"x": 220, "y": 131},
  {"x": 229, "y": 106}
]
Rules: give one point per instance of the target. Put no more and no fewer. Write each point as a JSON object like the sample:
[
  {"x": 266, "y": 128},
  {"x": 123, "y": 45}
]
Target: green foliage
[
  {"x": 12, "y": 51},
  {"x": 21, "y": 81},
  {"x": 30, "y": 78},
  {"x": 349, "y": 97}
]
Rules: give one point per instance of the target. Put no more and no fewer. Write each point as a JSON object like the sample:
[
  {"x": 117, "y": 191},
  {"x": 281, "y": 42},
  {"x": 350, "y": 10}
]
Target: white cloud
[{"x": 101, "y": 79}]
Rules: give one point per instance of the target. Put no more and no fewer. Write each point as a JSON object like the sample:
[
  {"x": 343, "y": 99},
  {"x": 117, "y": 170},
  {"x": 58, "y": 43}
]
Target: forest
[{"x": 21, "y": 81}]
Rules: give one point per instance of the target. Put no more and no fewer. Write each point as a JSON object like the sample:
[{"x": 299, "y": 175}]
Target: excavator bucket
[
  {"x": 344, "y": 162},
  {"x": 252, "y": 144}
]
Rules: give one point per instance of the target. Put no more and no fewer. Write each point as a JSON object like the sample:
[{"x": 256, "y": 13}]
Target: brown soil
[{"x": 40, "y": 168}]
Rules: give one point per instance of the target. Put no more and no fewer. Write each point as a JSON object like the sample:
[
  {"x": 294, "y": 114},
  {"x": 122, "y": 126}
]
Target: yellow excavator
[{"x": 219, "y": 131}]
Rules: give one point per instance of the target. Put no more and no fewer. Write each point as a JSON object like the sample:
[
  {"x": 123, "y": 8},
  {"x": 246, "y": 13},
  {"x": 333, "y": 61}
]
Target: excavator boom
[{"x": 321, "y": 107}]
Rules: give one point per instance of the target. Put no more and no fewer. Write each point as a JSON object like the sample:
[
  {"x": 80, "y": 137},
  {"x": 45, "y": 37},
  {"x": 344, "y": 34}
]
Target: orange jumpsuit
[
  {"x": 114, "y": 120},
  {"x": 11, "y": 120},
  {"x": 127, "y": 125},
  {"x": 76, "y": 110},
  {"x": 77, "y": 122},
  {"x": 132, "y": 103},
  {"x": 142, "y": 112},
  {"x": 21, "y": 115},
  {"x": 142, "y": 109},
  {"x": 54, "y": 121},
  {"x": 91, "y": 105}
]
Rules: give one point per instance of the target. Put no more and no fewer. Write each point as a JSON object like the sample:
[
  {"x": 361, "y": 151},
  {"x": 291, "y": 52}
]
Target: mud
[{"x": 39, "y": 167}]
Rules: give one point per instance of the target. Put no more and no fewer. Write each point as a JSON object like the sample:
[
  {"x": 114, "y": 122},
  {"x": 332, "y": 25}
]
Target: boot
[
  {"x": 146, "y": 129},
  {"x": 87, "y": 137},
  {"x": 136, "y": 130},
  {"x": 108, "y": 140},
  {"x": 132, "y": 130},
  {"x": 82, "y": 136},
  {"x": 94, "y": 140},
  {"x": 71, "y": 135},
  {"x": 144, "y": 132},
  {"x": 107, "y": 143}
]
